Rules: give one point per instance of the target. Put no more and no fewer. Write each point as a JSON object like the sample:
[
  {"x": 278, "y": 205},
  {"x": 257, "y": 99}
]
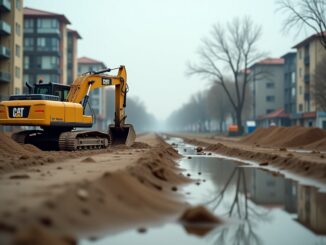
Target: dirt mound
[
  {"x": 199, "y": 214},
  {"x": 317, "y": 145},
  {"x": 115, "y": 201},
  {"x": 10, "y": 147},
  {"x": 199, "y": 221},
  {"x": 88, "y": 159},
  {"x": 140, "y": 145},
  {"x": 287, "y": 137}
]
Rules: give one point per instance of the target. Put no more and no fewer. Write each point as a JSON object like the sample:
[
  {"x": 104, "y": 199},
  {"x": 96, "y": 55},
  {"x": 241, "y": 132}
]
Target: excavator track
[
  {"x": 22, "y": 136},
  {"x": 81, "y": 140}
]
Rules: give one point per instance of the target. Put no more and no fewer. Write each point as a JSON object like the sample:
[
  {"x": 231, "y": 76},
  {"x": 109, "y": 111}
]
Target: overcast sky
[{"x": 154, "y": 39}]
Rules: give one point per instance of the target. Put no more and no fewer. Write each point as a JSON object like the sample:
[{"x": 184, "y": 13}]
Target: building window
[
  {"x": 48, "y": 78},
  {"x": 270, "y": 183},
  {"x": 28, "y": 25},
  {"x": 300, "y": 90},
  {"x": 293, "y": 77},
  {"x": 26, "y": 78},
  {"x": 70, "y": 41},
  {"x": 17, "y": 90},
  {"x": 26, "y": 62},
  {"x": 69, "y": 57},
  {"x": 47, "y": 44},
  {"x": 18, "y": 29},
  {"x": 270, "y": 98},
  {"x": 18, "y": 4},
  {"x": 47, "y": 62},
  {"x": 293, "y": 93},
  {"x": 300, "y": 72},
  {"x": 17, "y": 50},
  {"x": 48, "y": 26},
  {"x": 270, "y": 85},
  {"x": 300, "y": 54},
  {"x": 300, "y": 107},
  {"x": 17, "y": 72},
  {"x": 269, "y": 111},
  {"x": 28, "y": 44}
]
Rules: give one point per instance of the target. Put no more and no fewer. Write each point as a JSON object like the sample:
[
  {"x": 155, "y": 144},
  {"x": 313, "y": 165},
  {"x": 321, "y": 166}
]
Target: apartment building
[
  {"x": 72, "y": 64},
  {"x": 290, "y": 90},
  {"x": 11, "y": 40},
  {"x": 97, "y": 96},
  {"x": 310, "y": 52},
  {"x": 45, "y": 46},
  {"x": 267, "y": 86}
]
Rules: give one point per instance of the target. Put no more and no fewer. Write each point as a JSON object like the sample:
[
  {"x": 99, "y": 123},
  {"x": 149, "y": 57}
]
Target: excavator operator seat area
[{"x": 52, "y": 89}]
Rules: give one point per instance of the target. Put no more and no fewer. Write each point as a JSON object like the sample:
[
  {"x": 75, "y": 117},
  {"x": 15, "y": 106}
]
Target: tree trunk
[
  {"x": 239, "y": 121},
  {"x": 221, "y": 125}
]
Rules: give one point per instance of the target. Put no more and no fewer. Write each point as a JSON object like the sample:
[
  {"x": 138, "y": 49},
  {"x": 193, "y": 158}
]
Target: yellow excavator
[{"x": 59, "y": 109}]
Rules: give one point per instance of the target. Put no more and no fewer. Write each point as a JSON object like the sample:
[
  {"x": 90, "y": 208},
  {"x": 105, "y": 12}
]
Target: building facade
[
  {"x": 290, "y": 89},
  {"x": 309, "y": 53},
  {"x": 72, "y": 64},
  {"x": 266, "y": 86},
  {"x": 97, "y": 96},
  {"x": 45, "y": 46},
  {"x": 11, "y": 48}
]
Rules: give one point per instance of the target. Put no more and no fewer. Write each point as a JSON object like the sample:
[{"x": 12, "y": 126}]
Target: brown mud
[{"x": 83, "y": 195}]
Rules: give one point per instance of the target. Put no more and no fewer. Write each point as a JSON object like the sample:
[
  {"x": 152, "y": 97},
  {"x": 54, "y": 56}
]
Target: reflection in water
[
  {"x": 242, "y": 232},
  {"x": 259, "y": 207},
  {"x": 312, "y": 209},
  {"x": 247, "y": 195}
]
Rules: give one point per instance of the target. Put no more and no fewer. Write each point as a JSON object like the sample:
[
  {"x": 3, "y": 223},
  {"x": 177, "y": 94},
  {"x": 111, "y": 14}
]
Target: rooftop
[
  {"x": 309, "y": 39},
  {"x": 279, "y": 113},
  {"x": 30, "y": 12},
  {"x": 87, "y": 60},
  {"x": 74, "y": 32},
  {"x": 289, "y": 54},
  {"x": 271, "y": 61}
]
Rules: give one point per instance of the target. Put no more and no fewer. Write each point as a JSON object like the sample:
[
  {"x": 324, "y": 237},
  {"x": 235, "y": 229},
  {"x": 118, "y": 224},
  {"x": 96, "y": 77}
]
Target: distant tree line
[{"x": 206, "y": 108}]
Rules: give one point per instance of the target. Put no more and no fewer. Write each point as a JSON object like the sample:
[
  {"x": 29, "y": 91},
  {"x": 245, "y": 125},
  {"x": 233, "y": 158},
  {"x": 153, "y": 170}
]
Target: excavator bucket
[{"x": 122, "y": 135}]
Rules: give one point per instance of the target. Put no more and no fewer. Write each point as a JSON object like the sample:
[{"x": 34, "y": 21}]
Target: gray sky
[{"x": 156, "y": 38}]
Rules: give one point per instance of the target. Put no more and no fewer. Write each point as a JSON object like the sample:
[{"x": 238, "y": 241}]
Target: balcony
[
  {"x": 306, "y": 78},
  {"x": 5, "y": 77},
  {"x": 306, "y": 60},
  {"x": 4, "y": 52},
  {"x": 5, "y": 28},
  {"x": 5, "y": 5},
  {"x": 49, "y": 31}
]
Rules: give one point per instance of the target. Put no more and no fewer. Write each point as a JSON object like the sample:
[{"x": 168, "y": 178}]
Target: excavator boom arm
[{"x": 84, "y": 84}]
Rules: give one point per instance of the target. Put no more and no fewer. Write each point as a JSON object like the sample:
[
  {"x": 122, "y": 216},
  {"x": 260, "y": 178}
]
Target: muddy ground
[
  {"x": 61, "y": 197},
  {"x": 296, "y": 149}
]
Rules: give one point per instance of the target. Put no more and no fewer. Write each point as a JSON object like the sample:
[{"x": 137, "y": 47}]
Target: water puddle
[{"x": 258, "y": 206}]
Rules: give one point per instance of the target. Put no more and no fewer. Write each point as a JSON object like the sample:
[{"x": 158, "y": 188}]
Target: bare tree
[
  {"x": 320, "y": 84},
  {"x": 232, "y": 47},
  {"x": 305, "y": 13}
]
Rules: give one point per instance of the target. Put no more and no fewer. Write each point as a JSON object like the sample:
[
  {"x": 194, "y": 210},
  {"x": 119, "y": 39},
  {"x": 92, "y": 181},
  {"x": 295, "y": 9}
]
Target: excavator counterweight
[{"x": 59, "y": 109}]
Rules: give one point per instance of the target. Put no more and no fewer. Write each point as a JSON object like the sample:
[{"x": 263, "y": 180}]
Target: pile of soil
[
  {"x": 9, "y": 147},
  {"x": 15, "y": 156},
  {"x": 296, "y": 137},
  {"x": 117, "y": 200}
]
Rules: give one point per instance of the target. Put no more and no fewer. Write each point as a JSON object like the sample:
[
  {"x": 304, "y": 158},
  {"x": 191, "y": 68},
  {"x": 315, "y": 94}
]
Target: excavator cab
[
  {"x": 44, "y": 91},
  {"x": 52, "y": 89}
]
